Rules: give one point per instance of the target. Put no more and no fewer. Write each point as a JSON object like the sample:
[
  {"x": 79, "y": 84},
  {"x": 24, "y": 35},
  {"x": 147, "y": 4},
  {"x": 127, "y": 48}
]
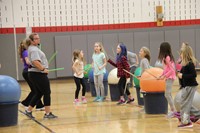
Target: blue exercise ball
[
  {"x": 10, "y": 90},
  {"x": 91, "y": 76}
]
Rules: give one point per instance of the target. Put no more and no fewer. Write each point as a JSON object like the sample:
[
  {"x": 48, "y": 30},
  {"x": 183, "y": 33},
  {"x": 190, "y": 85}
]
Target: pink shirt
[{"x": 169, "y": 69}]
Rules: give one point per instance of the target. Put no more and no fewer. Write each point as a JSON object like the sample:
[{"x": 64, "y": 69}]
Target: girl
[
  {"x": 145, "y": 59},
  {"x": 79, "y": 74},
  {"x": 122, "y": 63},
  {"x": 169, "y": 73},
  {"x": 23, "y": 54},
  {"x": 178, "y": 62},
  {"x": 188, "y": 75},
  {"x": 99, "y": 64}
]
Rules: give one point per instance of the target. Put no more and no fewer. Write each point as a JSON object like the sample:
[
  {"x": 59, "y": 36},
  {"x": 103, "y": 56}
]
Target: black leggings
[
  {"x": 27, "y": 100},
  {"x": 121, "y": 86},
  {"x": 42, "y": 85},
  {"x": 79, "y": 82}
]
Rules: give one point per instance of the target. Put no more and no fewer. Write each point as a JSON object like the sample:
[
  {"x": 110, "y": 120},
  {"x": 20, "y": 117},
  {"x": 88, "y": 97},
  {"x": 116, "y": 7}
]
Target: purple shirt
[{"x": 24, "y": 55}]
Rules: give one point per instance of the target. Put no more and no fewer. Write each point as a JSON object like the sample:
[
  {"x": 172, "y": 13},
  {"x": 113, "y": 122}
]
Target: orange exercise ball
[{"x": 149, "y": 82}]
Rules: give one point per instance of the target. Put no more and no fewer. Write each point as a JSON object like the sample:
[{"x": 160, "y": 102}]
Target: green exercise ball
[
  {"x": 137, "y": 73},
  {"x": 87, "y": 69}
]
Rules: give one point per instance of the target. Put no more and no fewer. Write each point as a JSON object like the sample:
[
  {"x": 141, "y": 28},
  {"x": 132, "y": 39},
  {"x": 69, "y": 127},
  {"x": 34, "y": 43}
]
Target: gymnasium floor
[{"x": 93, "y": 117}]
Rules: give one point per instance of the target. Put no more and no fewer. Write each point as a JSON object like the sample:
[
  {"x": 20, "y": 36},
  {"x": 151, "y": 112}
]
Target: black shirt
[{"x": 189, "y": 75}]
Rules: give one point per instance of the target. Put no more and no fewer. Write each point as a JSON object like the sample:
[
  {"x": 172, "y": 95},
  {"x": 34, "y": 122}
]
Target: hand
[
  {"x": 138, "y": 77},
  {"x": 161, "y": 78},
  {"x": 180, "y": 75},
  {"x": 79, "y": 73},
  {"x": 100, "y": 68},
  {"x": 46, "y": 71}
]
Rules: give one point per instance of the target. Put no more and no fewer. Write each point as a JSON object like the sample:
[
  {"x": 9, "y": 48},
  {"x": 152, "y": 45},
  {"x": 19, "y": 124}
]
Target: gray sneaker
[
  {"x": 50, "y": 116},
  {"x": 29, "y": 114}
]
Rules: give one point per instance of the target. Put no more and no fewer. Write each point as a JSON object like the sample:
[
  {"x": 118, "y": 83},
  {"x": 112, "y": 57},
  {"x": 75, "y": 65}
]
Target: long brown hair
[
  {"x": 165, "y": 50},
  {"x": 76, "y": 54}
]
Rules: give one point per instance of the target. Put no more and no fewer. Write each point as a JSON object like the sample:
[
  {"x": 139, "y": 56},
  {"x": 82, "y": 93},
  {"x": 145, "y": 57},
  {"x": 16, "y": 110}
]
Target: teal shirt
[{"x": 98, "y": 60}]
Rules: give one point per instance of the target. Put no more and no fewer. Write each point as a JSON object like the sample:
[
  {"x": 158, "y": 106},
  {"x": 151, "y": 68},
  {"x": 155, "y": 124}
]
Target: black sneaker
[
  {"x": 130, "y": 100},
  {"x": 29, "y": 114},
  {"x": 120, "y": 102},
  {"x": 50, "y": 116}
]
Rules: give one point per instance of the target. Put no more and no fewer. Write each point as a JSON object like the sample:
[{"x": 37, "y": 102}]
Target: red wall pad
[{"x": 100, "y": 27}]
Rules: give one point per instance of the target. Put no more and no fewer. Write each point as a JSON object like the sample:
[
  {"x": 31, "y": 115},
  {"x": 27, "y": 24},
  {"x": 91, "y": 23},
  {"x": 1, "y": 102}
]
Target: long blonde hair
[
  {"x": 22, "y": 47},
  {"x": 187, "y": 55},
  {"x": 100, "y": 44},
  {"x": 147, "y": 53}
]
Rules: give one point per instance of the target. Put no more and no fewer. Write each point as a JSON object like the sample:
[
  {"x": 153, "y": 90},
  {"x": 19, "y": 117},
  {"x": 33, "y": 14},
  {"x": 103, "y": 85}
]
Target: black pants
[
  {"x": 27, "y": 100},
  {"x": 42, "y": 85},
  {"x": 121, "y": 86},
  {"x": 79, "y": 82}
]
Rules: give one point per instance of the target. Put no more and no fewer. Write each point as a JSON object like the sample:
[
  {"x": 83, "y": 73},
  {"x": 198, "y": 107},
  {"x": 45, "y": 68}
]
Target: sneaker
[
  {"x": 130, "y": 100},
  {"x": 106, "y": 98},
  {"x": 177, "y": 114},
  {"x": 40, "y": 109},
  {"x": 50, "y": 116},
  {"x": 170, "y": 114},
  {"x": 194, "y": 119},
  {"x": 76, "y": 101},
  {"x": 84, "y": 100},
  {"x": 100, "y": 99},
  {"x": 186, "y": 125},
  {"x": 97, "y": 98},
  {"x": 120, "y": 102},
  {"x": 29, "y": 114}
]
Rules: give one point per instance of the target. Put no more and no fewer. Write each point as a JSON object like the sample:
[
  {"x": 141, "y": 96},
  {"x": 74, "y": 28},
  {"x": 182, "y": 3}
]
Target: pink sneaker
[
  {"x": 189, "y": 125},
  {"x": 76, "y": 101},
  {"x": 84, "y": 100}
]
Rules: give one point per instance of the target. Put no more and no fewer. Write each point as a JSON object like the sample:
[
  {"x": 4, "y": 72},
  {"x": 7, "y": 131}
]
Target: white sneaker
[{"x": 170, "y": 114}]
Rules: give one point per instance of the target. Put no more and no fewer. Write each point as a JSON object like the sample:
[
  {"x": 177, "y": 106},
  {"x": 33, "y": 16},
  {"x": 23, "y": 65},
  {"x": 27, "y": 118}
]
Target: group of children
[
  {"x": 186, "y": 74},
  {"x": 34, "y": 69}
]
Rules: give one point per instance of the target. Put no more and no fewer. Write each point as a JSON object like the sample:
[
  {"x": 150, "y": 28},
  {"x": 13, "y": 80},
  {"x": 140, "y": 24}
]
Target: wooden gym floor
[{"x": 93, "y": 117}]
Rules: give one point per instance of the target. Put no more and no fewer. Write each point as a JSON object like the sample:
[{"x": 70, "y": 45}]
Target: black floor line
[{"x": 51, "y": 131}]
